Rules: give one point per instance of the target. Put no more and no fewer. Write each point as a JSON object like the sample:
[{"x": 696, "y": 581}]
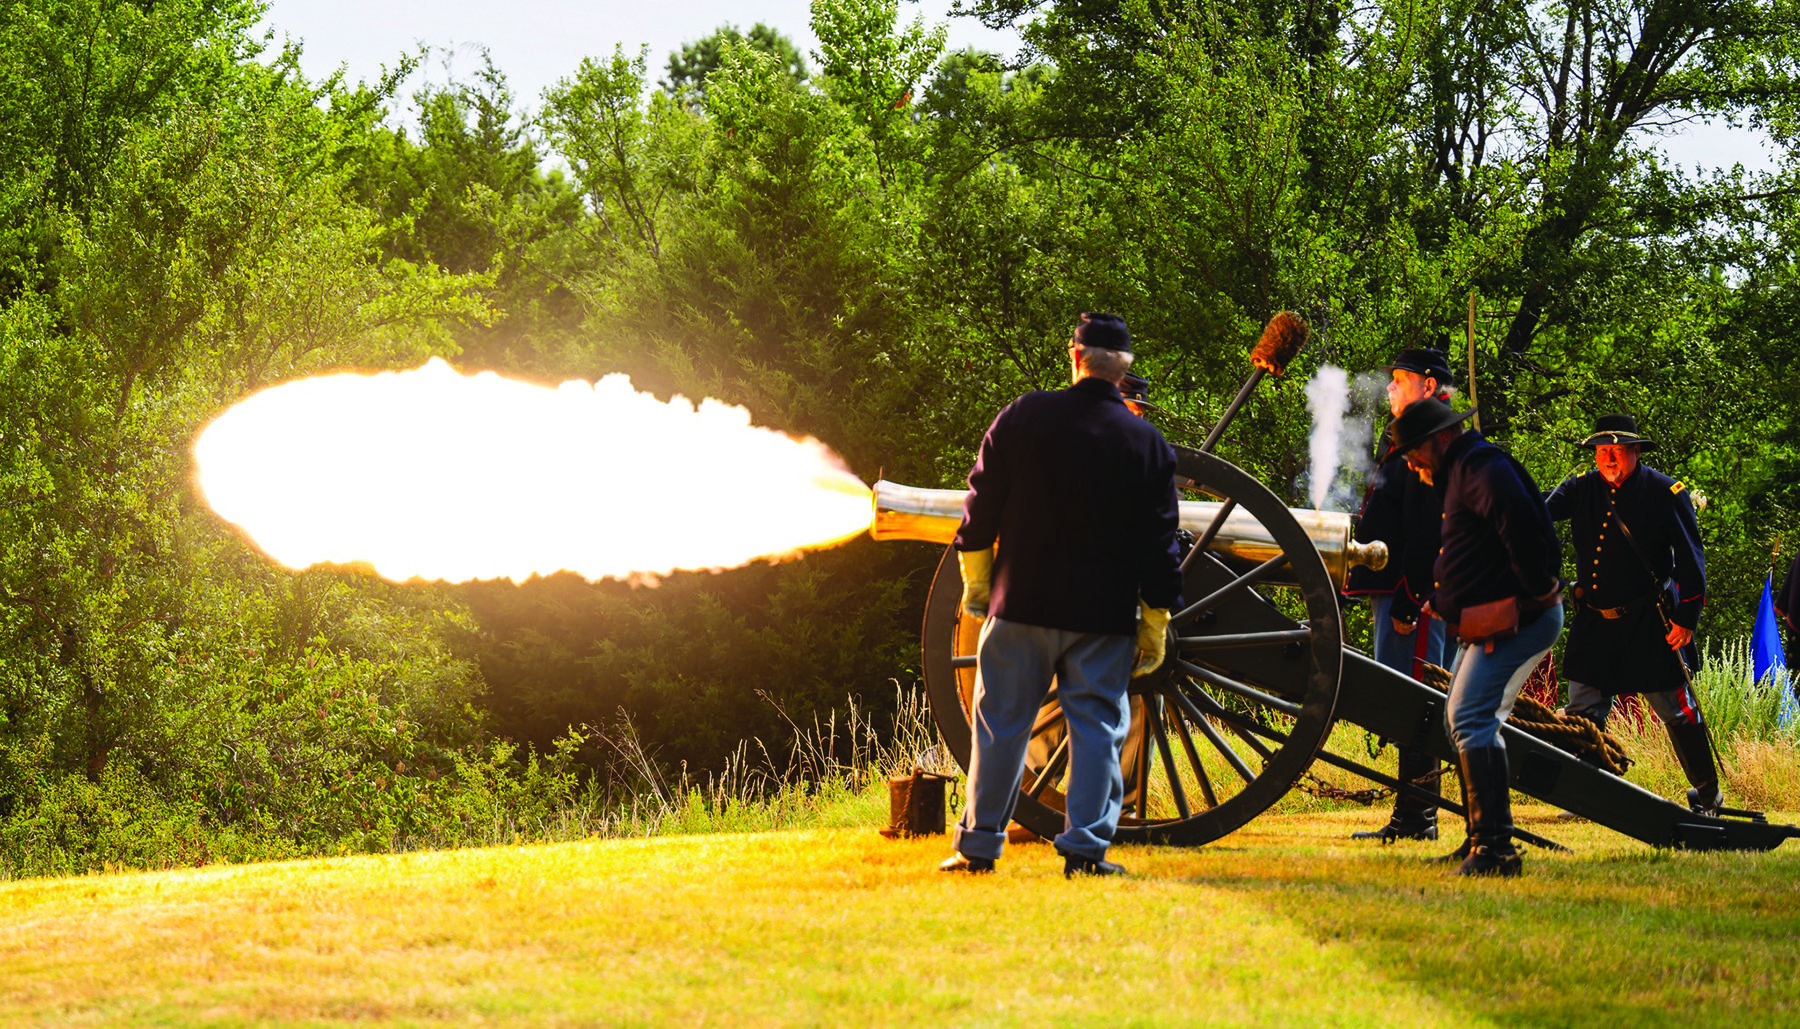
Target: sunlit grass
[
  {"x": 749, "y": 900},
  {"x": 1286, "y": 922}
]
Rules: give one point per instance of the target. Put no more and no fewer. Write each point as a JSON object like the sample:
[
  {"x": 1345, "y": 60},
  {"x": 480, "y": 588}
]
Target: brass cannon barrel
[{"x": 932, "y": 515}]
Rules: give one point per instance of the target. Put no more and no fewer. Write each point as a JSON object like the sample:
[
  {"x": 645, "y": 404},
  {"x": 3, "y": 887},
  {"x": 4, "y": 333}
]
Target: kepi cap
[
  {"x": 1100, "y": 329},
  {"x": 1423, "y": 361}
]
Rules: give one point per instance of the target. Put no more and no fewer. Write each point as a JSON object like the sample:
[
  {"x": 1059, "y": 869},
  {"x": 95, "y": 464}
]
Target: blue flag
[
  {"x": 1765, "y": 653},
  {"x": 1765, "y": 639}
]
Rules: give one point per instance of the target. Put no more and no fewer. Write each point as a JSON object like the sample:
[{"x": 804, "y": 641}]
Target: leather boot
[
  {"x": 1457, "y": 856},
  {"x": 1695, "y": 755},
  {"x": 1413, "y": 819},
  {"x": 1491, "y": 849}
]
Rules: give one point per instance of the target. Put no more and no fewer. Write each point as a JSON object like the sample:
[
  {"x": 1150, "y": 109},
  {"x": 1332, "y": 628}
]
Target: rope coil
[{"x": 1573, "y": 733}]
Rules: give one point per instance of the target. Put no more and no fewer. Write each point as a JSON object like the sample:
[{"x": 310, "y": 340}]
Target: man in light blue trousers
[
  {"x": 1069, "y": 529},
  {"x": 1497, "y": 581},
  {"x": 1090, "y": 670}
]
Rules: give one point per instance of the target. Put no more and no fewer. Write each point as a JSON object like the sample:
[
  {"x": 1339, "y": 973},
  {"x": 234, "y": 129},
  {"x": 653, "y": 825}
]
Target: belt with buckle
[{"x": 1616, "y": 613}]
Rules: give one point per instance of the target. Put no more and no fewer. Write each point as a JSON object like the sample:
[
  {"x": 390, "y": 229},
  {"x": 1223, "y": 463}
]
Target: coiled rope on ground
[{"x": 1573, "y": 733}]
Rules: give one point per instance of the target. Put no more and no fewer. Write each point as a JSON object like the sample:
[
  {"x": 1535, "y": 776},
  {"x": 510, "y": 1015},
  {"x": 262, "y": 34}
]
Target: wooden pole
[{"x": 1469, "y": 339}]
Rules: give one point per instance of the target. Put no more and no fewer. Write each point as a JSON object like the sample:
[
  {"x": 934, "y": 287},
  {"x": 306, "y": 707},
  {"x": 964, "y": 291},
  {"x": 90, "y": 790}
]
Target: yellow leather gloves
[
  {"x": 977, "y": 569},
  {"x": 1152, "y": 634}
]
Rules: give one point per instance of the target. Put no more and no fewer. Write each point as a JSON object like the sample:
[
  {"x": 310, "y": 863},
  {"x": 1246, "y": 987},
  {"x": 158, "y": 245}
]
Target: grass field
[{"x": 1283, "y": 923}]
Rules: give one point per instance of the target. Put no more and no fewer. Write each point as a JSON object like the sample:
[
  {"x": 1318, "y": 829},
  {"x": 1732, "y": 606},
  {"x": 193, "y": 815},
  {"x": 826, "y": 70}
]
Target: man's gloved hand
[
  {"x": 977, "y": 568},
  {"x": 1152, "y": 635}
]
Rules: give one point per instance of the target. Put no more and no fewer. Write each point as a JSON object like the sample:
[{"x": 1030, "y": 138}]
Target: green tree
[
  {"x": 690, "y": 66},
  {"x": 745, "y": 253},
  {"x": 200, "y": 242},
  {"x": 870, "y": 72},
  {"x": 470, "y": 196},
  {"x": 634, "y": 162}
]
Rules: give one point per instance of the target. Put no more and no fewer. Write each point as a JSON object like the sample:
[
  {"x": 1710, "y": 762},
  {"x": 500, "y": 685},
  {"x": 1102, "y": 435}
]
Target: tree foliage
[
  {"x": 878, "y": 250},
  {"x": 690, "y": 66}
]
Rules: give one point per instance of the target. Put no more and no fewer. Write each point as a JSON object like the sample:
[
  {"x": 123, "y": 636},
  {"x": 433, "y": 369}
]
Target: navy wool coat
[
  {"x": 1401, "y": 511},
  {"x": 1627, "y": 652},
  {"x": 1497, "y": 537},
  {"x": 1079, "y": 494}
]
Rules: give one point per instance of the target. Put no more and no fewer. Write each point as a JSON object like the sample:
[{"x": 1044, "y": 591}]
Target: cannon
[{"x": 1257, "y": 675}]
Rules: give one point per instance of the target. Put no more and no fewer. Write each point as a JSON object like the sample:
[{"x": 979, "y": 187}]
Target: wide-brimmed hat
[
  {"x": 1423, "y": 361},
  {"x": 1100, "y": 329},
  {"x": 1616, "y": 429},
  {"x": 1422, "y": 420}
]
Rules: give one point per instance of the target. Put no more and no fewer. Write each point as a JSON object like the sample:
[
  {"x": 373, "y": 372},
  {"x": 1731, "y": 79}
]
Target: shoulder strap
[{"x": 1643, "y": 561}]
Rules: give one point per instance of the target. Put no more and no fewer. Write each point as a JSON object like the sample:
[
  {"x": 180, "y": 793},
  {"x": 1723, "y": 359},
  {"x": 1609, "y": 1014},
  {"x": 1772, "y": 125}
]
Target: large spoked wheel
[{"x": 1236, "y": 714}]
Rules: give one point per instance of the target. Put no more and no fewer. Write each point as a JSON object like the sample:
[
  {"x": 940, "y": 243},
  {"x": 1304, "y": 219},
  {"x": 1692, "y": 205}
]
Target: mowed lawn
[{"x": 1284, "y": 923}]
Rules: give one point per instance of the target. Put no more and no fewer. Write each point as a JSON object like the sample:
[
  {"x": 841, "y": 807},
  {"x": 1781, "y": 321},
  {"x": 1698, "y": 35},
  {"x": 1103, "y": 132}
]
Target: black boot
[
  {"x": 1491, "y": 849},
  {"x": 1695, "y": 755},
  {"x": 1413, "y": 819},
  {"x": 1456, "y": 856},
  {"x": 1074, "y": 866}
]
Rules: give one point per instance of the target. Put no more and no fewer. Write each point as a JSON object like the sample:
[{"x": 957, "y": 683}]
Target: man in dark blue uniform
[
  {"x": 1135, "y": 391},
  {"x": 1496, "y": 582},
  {"x": 1069, "y": 528},
  {"x": 1642, "y": 581},
  {"x": 1404, "y": 513}
]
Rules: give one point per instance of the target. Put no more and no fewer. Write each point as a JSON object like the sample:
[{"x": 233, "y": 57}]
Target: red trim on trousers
[{"x": 1421, "y": 638}]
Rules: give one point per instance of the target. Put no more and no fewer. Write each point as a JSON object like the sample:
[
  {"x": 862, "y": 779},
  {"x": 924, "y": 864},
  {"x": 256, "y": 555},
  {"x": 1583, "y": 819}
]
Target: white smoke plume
[
  {"x": 1345, "y": 412},
  {"x": 1328, "y": 397}
]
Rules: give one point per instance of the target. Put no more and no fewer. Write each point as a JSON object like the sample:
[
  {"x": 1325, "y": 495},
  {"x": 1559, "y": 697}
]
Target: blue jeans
[
  {"x": 1014, "y": 666},
  {"x": 1399, "y": 652},
  {"x": 1486, "y": 684}
]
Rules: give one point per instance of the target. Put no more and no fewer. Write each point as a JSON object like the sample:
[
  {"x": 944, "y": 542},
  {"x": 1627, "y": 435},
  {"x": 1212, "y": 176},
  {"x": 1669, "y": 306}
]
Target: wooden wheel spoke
[
  {"x": 1052, "y": 769},
  {"x": 1219, "y": 742},
  {"x": 1168, "y": 757},
  {"x": 1244, "y": 639},
  {"x": 1249, "y": 736},
  {"x": 1211, "y": 533},
  {"x": 1249, "y": 730},
  {"x": 1250, "y": 693},
  {"x": 1230, "y": 589},
  {"x": 1143, "y": 765},
  {"x": 1193, "y": 756}
]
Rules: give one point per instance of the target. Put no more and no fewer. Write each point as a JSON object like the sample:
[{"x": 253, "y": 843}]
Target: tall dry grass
[
  {"x": 1758, "y": 755},
  {"x": 833, "y": 774}
]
